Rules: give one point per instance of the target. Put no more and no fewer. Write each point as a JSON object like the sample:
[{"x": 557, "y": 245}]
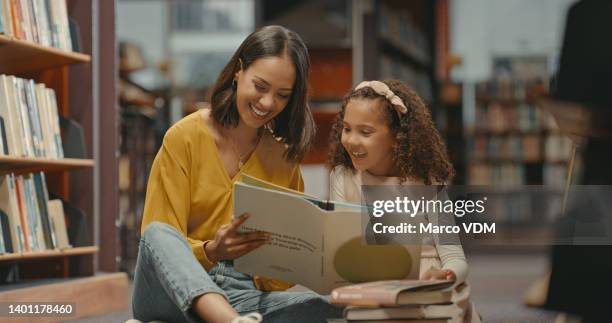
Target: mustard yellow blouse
[{"x": 190, "y": 189}]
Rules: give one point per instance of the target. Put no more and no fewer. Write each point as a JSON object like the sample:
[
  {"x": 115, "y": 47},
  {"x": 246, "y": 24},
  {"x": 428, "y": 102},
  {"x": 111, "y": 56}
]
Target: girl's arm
[
  {"x": 336, "y": 185},
  {"x": 453, "y": 258}
]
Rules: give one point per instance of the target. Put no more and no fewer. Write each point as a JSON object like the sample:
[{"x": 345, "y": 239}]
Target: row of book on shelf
[
  {"x": 29, "y": 220},
  {"x": 29, "y": 119},
  {"x": 495, "y": 117},
  {"x": 508, "y": 87},
  {"x": 520, "y": 148},
  {"x": 391, "y": 67},
  {"x": 396, "y": 301},
  {"x": 41, "y": 21},
  {"x": 398, "y": 27}
]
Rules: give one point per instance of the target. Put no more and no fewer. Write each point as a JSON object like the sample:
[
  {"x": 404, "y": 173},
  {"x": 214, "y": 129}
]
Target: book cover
[
  {"x": 7, "y": 245},
  {"x": 42, "y": 197},
  {"x": 9, "y": 204},
  {"x": 9, "y": 113},
  {"x": 35, "y": 126},
  {"x": 45, "y": 121},
  {"x": 318, "y": 248},
  {"x": 400, "y": 312},
  {"x": 58, "y": 222},
  {"x": 7, "y": 19},
  {"x": 23, "y": 215},
  {"x": 394, "y": 292},
  {"x": 54, "y": 114},
  {"x": 34, "y": 213},
  {"x": 22, "y": 111}
]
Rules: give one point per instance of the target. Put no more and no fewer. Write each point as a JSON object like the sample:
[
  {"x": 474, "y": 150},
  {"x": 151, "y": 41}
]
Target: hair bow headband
[{"x": 382, "y": 89}]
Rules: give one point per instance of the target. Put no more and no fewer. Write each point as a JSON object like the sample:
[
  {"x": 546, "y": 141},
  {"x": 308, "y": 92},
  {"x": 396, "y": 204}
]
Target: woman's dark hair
[
  {"x": 419, "y": 152},
  {"x": 295, "y": 124}
]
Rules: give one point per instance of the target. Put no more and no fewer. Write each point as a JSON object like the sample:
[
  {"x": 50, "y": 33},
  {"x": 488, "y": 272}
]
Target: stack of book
[{"x": 411, "y": 301}]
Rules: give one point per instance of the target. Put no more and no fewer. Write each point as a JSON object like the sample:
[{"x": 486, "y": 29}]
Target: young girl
[
  {"x": 258, "y": 123},
  {"x": 384, "y": 135}
]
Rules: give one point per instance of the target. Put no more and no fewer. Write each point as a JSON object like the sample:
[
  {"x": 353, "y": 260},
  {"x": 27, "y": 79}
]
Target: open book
[{"x": 315, "y": 243}]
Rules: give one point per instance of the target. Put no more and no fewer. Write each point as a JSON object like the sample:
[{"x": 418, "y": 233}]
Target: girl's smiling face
[{"x": 367, "y": 138}]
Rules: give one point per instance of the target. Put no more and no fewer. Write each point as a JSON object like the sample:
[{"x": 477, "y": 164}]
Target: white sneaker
[{"x": 249, "y": 318}]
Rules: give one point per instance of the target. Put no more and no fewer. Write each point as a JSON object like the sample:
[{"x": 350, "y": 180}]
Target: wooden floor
[
  {"x": 498, "y": 282},
  {"x": 92, "y": 296}
]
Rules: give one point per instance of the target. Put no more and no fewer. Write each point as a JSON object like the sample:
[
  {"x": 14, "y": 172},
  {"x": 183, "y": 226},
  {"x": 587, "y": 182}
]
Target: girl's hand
[
  {"x": 434, "y": 273},
  {"x": 229, "y": 244}
]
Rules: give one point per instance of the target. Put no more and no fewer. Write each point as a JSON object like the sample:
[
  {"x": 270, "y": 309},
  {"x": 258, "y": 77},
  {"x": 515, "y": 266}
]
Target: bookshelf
[
  {"x": 513, "y": 141},
  {"x": 24, "y": 165},
  {"x": 516, "y": 151},
  {"x": 75, "y": 251},
  {"x": 399, "y": 42},
  {"x": 69, "y": 274},
  {"x": 20, "y": 56}
]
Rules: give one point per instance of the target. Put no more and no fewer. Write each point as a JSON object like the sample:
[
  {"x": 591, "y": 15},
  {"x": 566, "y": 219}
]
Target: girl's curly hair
[{"x": 419, "y": 152}]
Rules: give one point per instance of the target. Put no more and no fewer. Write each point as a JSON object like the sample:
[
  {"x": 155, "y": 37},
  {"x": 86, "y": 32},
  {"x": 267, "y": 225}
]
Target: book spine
[
  {"x": 42, "y": 196},
  {"x": 8, "y": 19},
  {"x": 23, "y": 115},
  {"x": 17, "y": 19},
  {"x": 45, "y": 123},
  {"x": 32, "y": 205},
  {"x": 23, "y": 215},
  {"x": 63, "y": 10},
  {"x": 54, "y": 113},
  {"x": 25, "y": 20},
  {"x": 15, "y": 120},
  {"x": 35, "y": 119},
  {"x": 16, "y": 227}
]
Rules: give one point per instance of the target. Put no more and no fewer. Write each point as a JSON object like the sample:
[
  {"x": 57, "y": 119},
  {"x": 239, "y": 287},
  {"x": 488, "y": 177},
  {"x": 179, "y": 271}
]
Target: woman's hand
[
  {"x": 229, "y": 244},
  {"x": 435, "y": 273}
]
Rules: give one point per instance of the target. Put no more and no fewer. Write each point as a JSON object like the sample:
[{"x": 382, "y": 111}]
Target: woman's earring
[{"x": 234, "y": 84}]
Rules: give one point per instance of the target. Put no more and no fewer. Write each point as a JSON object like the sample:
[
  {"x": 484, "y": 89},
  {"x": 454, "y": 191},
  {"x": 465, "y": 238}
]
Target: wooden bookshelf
[
  {"x": 24, "y": 165},
  {"x": 77, "y": 251},
  {"x": 70, "y": 275},
  {"x": 19, "y": 56}
]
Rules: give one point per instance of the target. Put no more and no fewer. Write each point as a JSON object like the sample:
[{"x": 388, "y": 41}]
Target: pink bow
[{"x": 382, "y": 89}]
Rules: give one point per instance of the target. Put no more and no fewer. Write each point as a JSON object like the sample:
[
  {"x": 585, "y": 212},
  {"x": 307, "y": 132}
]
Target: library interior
[{"x": 519, "y": 93}]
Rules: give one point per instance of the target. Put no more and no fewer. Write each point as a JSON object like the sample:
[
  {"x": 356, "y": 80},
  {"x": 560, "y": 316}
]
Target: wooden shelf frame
[
  {"x": 46, "y": 254},
  {"x": 20, "y": 56},
  {"x": 24, "y": 165}
]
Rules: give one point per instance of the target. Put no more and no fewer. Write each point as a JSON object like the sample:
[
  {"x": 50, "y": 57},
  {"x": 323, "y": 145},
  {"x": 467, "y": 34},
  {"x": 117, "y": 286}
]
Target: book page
[
  {"x": 254, "y": 181},
  {"x": 294, "y": 254},
  {"x": 348, "y": 259}
]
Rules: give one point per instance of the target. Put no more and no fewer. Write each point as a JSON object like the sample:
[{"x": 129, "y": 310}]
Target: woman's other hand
[{"x": 229, "y": 244}]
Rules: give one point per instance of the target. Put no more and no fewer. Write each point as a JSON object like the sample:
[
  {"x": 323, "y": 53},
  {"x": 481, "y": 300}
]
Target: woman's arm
[{"x": 168, "y": 196}]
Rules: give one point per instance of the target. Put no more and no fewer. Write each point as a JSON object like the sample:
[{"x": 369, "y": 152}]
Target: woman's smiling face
[
  {"x": 367, "y": 137},
  {"x": 264, "y": 89}
]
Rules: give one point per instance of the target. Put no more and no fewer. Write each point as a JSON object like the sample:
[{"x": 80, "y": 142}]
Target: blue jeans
[{"x": 168, "y": 278}]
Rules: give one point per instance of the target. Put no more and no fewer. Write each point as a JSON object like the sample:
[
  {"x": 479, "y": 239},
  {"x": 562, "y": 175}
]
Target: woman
[{"x": 258, "y": 123}]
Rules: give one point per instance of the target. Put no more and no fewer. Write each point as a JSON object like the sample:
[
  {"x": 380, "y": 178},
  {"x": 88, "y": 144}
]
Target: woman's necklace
[{"x": 242, "y": 157}]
